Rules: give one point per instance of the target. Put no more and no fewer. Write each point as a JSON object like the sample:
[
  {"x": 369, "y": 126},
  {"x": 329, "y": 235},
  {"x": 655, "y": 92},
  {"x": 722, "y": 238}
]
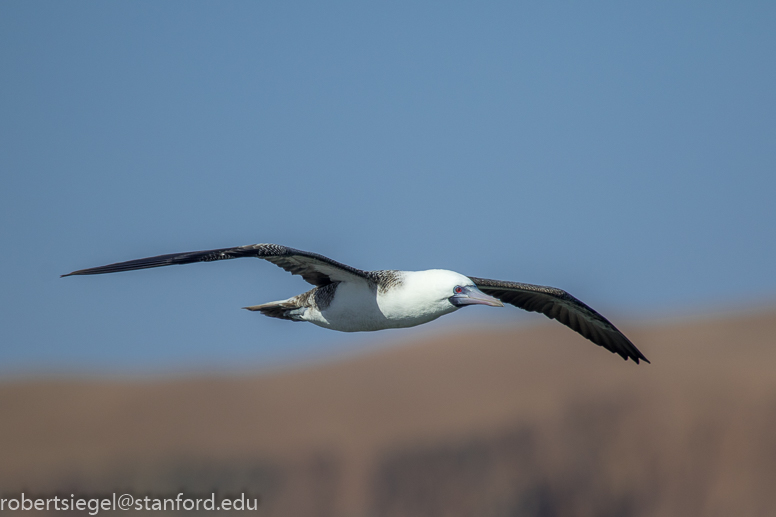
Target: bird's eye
[{"x": 458, "y": 289}]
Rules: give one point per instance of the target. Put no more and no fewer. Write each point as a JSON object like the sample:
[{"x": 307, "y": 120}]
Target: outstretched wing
[
  {"x": 560, "y": 305},
  {"x": 314, "y": 268}
]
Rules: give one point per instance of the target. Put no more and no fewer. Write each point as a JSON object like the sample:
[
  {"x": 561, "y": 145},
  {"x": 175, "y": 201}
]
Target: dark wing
[
  {"x": 560, "y": 305},
  {"x": 314, "y": 268}
]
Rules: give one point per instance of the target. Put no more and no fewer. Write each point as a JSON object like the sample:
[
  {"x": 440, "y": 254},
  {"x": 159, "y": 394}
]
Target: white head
[{"x": 432, "y": 293}]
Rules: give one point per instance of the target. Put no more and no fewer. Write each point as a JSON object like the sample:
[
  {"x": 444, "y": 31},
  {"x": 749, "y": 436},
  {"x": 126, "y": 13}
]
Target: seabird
[{"x": 352, "y": 300}]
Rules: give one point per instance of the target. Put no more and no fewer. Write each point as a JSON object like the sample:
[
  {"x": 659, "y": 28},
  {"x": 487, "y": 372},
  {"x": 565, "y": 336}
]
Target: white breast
[{"x": 359, "y": 307}]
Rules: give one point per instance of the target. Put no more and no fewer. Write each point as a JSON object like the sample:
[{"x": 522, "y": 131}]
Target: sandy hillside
[{"x": 530, "y": 420}]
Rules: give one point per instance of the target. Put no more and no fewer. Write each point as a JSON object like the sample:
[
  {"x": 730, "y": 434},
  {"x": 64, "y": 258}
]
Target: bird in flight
[{"x": 352, "y": 300}]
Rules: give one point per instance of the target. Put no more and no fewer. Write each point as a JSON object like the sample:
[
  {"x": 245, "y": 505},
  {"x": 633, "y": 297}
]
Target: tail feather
[{"x": 284, "y": 309}]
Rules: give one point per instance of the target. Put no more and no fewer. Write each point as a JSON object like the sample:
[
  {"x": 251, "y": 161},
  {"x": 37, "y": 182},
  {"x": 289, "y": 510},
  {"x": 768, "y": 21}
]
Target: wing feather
[
  {"x": 314, "y": 268},
  {"x": 559, "y": 305}
]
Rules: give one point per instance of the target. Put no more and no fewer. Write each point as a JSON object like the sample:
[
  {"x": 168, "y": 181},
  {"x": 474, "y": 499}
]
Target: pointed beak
[{"x": 473, "y": 296}]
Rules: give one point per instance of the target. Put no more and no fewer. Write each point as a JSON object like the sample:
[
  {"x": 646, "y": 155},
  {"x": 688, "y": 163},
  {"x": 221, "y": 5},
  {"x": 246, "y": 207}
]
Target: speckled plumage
[
  {"x": 317, "y": 299},
  {"x": 385, "y": 279}
]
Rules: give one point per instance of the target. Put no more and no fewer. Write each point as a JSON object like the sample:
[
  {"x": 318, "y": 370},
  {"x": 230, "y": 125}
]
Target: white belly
[{"x": 358, "y": 308}]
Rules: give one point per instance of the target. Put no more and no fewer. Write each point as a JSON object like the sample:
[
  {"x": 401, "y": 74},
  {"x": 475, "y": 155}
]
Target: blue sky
[{"x": 625, "y": 153}]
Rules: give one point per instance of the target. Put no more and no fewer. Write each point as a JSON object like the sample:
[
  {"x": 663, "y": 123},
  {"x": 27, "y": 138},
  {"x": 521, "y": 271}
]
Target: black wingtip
[{"x": 637, "y": 358}]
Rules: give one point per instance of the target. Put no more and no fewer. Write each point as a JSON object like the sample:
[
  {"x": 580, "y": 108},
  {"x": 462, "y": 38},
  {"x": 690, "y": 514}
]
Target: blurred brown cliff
[{"x": 526, "y": 421}]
